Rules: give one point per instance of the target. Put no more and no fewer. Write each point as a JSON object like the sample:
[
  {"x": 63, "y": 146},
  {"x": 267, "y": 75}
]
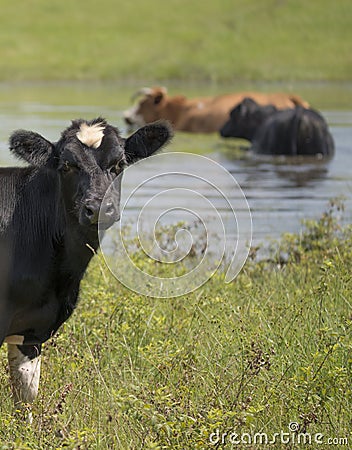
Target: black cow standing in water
[
  {"x": 49, "y": 217},
  {"x": 291, "y": 132}
]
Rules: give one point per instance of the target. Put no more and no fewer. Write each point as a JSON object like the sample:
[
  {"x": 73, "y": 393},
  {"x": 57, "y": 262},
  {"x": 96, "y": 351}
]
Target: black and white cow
[
  {"x": 291, "y": 132},
  {"x": 49, "y": 217}
]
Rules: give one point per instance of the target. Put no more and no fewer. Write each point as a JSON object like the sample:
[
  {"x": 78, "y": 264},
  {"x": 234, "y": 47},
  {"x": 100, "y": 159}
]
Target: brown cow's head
[{"x": 149, "y": 107}]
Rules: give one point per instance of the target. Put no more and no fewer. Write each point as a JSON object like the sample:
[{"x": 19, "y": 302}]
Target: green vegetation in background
[
  {"x": 178, "y": 39},
  {"x": 271, "y": 348}
]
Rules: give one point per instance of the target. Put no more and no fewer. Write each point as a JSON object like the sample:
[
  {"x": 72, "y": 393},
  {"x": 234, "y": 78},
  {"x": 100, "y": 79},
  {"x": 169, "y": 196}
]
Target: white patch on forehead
[{"x": 91, "y": 135}]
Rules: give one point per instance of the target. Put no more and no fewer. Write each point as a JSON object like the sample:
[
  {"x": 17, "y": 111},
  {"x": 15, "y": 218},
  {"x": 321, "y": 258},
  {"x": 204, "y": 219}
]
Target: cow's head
[
  {"x": 245, "y": 118},
  {"x": 88, "y": 158},
  {"x": 149, "y": 107}
]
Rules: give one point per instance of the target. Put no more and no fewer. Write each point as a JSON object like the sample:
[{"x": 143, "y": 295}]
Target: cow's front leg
[{"x": 24, "y": 364}]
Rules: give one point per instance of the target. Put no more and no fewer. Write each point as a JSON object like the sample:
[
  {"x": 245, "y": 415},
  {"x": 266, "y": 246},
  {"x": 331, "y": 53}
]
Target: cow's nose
[
  {"x": 104, "y": 213},
  {"x": 128, "y": 120},
  {"x": 224, "y": 131}
]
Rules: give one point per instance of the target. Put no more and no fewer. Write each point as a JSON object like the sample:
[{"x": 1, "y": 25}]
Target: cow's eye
[
  {"x": 117, "y": 167},
  {"x": 122, "y": 164},
  {"x": 114, "y": 169},
  {"x": 67, "y": 167}
]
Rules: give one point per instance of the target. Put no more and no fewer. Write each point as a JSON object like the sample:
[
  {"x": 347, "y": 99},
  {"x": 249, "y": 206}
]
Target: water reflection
[{"x": 302, "y": 176}]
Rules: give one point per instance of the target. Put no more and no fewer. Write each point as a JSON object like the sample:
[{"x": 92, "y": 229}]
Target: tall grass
[
  {"x": 178, "y": 39},
  {"x": 272, "y": 348}
]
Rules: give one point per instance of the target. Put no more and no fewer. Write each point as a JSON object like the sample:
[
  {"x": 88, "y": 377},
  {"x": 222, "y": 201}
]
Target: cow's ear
[
  {"x": 159, "y": 95},
  {"x": 31, "y": 147},
  {"x": 147, "y": 140},
  {"x": 158, "y": 98},
  {"x": 248, "y": 105}
]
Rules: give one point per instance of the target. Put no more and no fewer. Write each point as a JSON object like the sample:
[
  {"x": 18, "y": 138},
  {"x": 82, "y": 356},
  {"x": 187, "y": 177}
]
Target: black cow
[
  {"x": 292, "y": 132},
  {"x": 49, "y": 218}
]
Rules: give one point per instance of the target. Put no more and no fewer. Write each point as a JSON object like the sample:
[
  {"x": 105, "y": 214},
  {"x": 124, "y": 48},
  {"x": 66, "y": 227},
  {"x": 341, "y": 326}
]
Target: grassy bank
[
  {"x": 272, "y": 348},
  {"x": 178, "y": 39}
]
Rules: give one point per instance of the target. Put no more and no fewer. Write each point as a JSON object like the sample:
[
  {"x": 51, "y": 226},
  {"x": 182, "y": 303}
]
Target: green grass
[
  {"x": 201, "y": 40},
  {"x": 271, "y": 348}
]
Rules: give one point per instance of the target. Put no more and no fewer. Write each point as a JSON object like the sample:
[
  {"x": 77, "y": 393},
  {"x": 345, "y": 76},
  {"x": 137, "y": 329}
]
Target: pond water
[{"x": 279, "y": 193}]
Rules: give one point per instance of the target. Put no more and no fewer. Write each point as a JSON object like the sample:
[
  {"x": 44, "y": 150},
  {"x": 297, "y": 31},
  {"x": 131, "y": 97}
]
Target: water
[{"x": 280, "y": 194}]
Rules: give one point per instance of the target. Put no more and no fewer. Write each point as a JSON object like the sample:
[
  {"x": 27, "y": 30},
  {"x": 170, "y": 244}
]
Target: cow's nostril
[
  {"x": 89, "y": 212},
  {"x": 109, "y": 209}
]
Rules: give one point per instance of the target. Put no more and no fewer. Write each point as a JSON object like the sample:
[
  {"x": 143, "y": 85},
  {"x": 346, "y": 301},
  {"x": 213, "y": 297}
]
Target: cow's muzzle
[
  {"x": 129, "y": 121},
  {"x": 96, "y": 212}
]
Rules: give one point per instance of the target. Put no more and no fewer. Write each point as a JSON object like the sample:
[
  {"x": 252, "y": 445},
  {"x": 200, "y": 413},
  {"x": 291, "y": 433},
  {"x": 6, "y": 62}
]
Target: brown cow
[{"x": 199, "y": 115}]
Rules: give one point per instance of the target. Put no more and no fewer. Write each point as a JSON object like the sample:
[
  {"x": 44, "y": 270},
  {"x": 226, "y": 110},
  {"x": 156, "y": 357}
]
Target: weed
[{"x": 271, "y": 348}]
